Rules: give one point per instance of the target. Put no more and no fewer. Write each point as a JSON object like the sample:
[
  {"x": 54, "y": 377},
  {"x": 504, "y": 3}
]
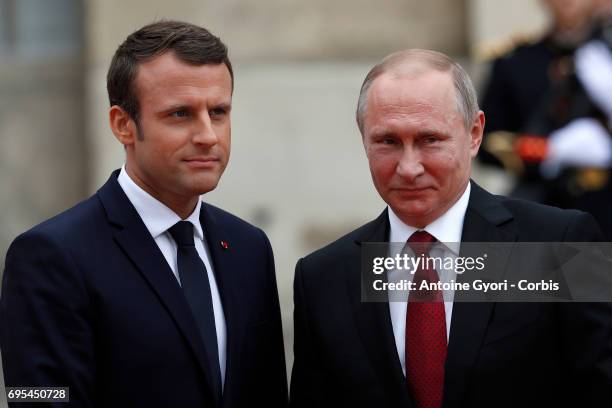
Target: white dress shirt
[
  {"x": 447, "y": 229},
  {"x": 157, "y": 217}
]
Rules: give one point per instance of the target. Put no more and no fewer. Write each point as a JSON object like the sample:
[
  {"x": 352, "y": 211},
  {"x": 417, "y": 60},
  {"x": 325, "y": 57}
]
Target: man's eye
[
  {"x": 180, "y": 113},
  {"x": 217, "y": 112},
  {"x": 388, "y": 141},
  {"x": 431, "y": 140}
]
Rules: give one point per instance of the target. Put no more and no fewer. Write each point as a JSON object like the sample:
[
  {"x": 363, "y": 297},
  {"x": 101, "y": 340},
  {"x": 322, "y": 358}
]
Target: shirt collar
[
  {"x": 447, "y": 228},
  {"x": 156, "y": 216}
]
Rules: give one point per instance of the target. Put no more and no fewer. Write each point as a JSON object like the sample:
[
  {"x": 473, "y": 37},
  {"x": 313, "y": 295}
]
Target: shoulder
[
  {"x": 538, "y": 222},
  {"x": 70, "y": 226},
  {"x": 342, "y": 249},
  {"x": 52, "y": 248},
  {"x": 546, "y": 223},
  {"x": 231, "y": 223}
]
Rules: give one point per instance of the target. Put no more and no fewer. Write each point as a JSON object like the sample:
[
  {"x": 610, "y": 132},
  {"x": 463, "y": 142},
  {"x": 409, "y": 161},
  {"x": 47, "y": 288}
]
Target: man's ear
[
  {"x": 123, "y": 126},
  {"x": 476, "y": 133}
]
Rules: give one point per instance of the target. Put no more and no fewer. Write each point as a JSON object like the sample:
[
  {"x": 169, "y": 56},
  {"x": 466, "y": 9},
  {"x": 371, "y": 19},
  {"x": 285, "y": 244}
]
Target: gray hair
[{"x": 467, "y": 101}]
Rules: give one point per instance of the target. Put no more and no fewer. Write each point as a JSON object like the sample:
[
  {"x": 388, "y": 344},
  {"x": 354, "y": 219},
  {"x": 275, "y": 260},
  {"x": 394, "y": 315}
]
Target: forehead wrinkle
[
  {"x": 400, "y": 109},
  {"x": 413, "y": 124},
  {"x": 424, "y": 112},
  {"x": 183, "y": 91},
  {"x": 393, "y": 100},
  {"x": 390, "y": 97},
  {"x": 184, "y": 83}
]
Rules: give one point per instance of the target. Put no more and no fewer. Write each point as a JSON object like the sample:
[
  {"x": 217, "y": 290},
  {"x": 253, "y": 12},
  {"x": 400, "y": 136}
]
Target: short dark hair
[{"x": 190, "y": 43}]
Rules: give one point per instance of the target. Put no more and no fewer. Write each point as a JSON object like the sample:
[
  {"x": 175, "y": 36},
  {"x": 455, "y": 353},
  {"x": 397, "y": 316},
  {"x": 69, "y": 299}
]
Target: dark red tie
[{"x": 425, "y": 332}]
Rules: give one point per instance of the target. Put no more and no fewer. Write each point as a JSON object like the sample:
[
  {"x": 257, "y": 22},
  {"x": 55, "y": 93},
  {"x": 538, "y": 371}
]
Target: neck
[{"x": 182, "y": 206}]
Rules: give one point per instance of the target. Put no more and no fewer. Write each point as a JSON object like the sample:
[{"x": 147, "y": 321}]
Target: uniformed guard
[{"x": 534, "y": 100}]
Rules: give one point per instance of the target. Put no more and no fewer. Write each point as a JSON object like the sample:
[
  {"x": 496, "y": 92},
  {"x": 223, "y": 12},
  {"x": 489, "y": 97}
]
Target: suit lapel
[
  {"x": 136, "y": 241},
  {"x": 224, "y": 265},
  {"x": 373, "y": 318},
  {"x": 486, "y": 220}
]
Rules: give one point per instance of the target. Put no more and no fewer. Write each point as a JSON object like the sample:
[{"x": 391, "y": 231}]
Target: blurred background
[{"x": 298, "y": 169}]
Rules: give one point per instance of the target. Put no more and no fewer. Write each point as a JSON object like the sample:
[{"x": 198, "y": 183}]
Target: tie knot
[
  {"x": 182, "y": 232},
  {"x": 421, "y": 242}
]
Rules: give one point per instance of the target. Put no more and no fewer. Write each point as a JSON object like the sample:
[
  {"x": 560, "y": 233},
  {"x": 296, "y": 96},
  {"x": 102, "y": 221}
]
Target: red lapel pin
[{"x": 224, "y": 245}]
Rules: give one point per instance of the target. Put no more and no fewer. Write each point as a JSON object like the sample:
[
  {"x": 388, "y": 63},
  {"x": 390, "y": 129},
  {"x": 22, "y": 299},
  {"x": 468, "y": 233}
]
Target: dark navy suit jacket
[{"x": 89, "y": 302}]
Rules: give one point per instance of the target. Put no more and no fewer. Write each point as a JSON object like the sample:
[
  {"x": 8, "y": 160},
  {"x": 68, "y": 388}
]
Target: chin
[
  {"x": 204, "y": 184},
  {"x": 415, "y": 215},
  {"x": 411, "y": 210},
  {"x": 206, "y": 188}
]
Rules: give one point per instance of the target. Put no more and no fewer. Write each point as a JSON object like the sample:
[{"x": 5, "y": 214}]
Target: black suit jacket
[
  {"x": 89, "y": 302},
  {"x": 499, "y": 354}
]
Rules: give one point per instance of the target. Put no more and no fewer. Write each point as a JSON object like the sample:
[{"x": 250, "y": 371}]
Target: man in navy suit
[
  {"x": 143, "y": 295},
  {"x": 421, "y": 127}
]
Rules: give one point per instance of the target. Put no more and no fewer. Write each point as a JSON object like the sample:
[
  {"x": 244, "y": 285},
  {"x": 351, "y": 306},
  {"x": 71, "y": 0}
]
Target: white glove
[
  {"x": 583, "y": 142},
  {"x": 594, "y": 69}
]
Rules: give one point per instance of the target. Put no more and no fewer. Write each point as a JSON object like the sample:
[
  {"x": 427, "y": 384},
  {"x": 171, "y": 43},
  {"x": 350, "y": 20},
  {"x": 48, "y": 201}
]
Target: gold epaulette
[
  {"x": 491, "y": 50},
  {"x": 501, "y": 145}
]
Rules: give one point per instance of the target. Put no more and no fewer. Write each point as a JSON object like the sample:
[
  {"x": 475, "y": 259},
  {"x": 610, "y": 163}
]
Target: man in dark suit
[
  {"x": 421, "y": 127},
  {"x": 143, "y": 295}
]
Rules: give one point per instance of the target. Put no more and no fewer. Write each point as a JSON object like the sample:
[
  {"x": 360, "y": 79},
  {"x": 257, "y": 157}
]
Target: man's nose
[
  {"x": 204, "y": 132},
  {"x": 409, "y": 165}
]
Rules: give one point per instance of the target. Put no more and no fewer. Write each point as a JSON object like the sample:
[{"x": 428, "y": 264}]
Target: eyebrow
[
  {"x": 431, "y": 132},
  {"x": 419, "y": 134},
  {"x": 185, "y": 106},
  {"x": 178, "y": 106},
  {"x": 224, "y": 105}
]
